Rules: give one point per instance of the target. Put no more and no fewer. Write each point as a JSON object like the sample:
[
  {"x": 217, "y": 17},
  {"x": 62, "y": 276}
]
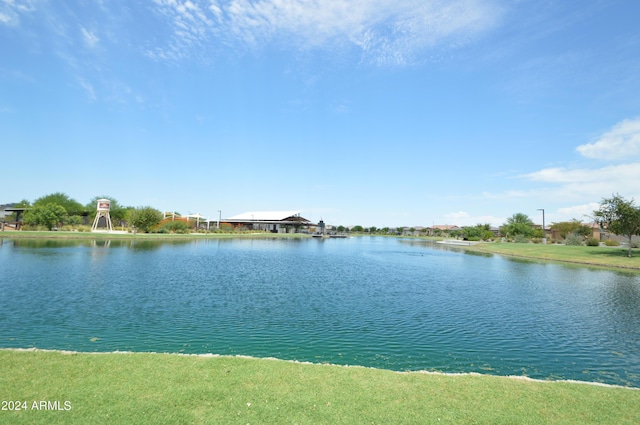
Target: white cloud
[
  {"x": 509, "y": 194},
  {"x": 88, "y": 88},
  {"x": 457, "y": 215},
  {"x": 591, "y": 184},
  {"x": 462, "y": 218},
  {"x": 384, "y": 31},
  {"x": 621, "y": 142},
  {"x": 90, "y": 39},
  {"x": 11, "y": 10},
  {"x": 613, "y": 174},
  {"x": 579, "y": 212},
  {"x": 587, "y": 185}
]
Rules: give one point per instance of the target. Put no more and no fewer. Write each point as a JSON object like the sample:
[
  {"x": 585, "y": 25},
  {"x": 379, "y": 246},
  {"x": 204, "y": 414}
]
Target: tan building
[{"x": 270, "y": 221}]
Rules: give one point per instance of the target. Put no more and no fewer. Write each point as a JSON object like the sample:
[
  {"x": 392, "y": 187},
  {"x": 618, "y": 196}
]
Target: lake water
[{"x": 379, "y": 302}]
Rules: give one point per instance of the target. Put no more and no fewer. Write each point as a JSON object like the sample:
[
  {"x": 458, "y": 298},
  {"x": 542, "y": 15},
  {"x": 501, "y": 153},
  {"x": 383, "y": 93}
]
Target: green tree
[
  {"x": 473, "y": 233},
  {"x": 144, "y": 218},
  {"x": 74, "y": 220},
  {"x": 619, "y": 216},
  {"x": 71, "y": 206},
  {"x": 341, "y": 228},
  {"x": 373, "y": 229},
  {"x": 565, "y": 228},
  {"x": 478, "y": 232},
  {"x": 358, "y": 229},
  {"x": 48, "y": 215},
  {"x": 518, "y": 224}
]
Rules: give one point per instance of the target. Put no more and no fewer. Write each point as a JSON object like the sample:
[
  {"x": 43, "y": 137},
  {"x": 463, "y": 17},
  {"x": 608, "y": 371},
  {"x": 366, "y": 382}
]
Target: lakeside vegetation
[
  {"x": 146, "y": 388},
  {"x": 602, "y": 256},
  {"x": 615, "y": 216},
  {"x": 30, "y": 234},
  {"x": 599, "y": 256}
]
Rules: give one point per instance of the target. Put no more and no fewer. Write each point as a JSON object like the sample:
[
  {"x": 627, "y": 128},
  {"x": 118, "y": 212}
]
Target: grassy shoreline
[
  {"x": 169, "y": 388},
  {"x": 602, "y": 257}
]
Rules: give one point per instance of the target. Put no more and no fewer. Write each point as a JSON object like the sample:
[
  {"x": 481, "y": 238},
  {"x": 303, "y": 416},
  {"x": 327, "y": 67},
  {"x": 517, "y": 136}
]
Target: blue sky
[{"x": 378, "y": 113}]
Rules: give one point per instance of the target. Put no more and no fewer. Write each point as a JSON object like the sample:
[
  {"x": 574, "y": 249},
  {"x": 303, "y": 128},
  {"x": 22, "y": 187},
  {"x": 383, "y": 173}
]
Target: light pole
[
  {"x": 219, "y": 218},
  {"x": 544, "y": 235}
]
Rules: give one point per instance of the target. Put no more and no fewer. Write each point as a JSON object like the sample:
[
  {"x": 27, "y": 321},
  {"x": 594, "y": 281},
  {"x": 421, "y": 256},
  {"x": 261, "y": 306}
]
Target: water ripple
[{"x": 368, "y": 301}]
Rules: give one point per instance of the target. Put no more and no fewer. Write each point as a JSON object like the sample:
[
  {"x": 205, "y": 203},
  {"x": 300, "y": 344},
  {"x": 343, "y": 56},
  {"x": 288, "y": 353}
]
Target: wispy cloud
[
  {"x": 384, "y": 31},
  {"x": 591, "y": 182},
  {"x": 462, "y": 218},
  {"x": 586, "y": 175},
  {"x": 12, "y": 10},
  {"x": 621, "y": 142},
  {"x": 90, "y": 38},
  {"x": 579, "y": 212},
  {"x": 89, "y": 90}
]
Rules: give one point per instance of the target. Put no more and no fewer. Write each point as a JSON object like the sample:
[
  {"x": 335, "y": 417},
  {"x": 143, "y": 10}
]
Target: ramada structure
[{"x": 271, "y": 221}]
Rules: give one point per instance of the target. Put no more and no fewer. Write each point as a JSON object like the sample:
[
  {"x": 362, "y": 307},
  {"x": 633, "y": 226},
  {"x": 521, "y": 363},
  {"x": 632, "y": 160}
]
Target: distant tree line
[
  {"x": 615, "y": 214},
  {"x": 58, "y": 210}
]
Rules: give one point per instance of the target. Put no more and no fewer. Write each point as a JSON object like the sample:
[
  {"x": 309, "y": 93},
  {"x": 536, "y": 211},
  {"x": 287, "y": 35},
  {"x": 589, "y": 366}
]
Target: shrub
[
  {"x": 74, "y": 220},
  {"x": 177, "y": 226},
  {"x": 536, "y": 240},
  {"x": 488, "y": 235},
  {"x": 635, "y": 244},
  {"x": 144, "y": 218},
  {"x": 573, "y": 240},
  {"x": 520, "y": 239},
  {"x": 34, "y": 227},
  {"x": 611, "y": 242},
  {"x": 593, "y": 242},
  {"x": 227, "y": 228}
]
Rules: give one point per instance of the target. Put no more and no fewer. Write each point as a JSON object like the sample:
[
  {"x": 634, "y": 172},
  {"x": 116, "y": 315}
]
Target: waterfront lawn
[
  {"x": 145, "y": 388},
  {"x": 597, "y": 256}
]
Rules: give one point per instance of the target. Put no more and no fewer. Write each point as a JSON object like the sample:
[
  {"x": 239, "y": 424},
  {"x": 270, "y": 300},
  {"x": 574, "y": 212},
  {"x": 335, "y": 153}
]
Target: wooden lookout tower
[{"x": 104, "y": 206}]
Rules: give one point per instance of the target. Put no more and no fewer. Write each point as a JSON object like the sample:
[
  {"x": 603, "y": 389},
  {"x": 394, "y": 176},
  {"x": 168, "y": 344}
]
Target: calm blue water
[{"x": 380, "y": 302}]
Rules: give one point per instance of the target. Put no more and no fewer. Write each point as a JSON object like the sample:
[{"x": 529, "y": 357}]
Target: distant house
[
  {"x": 270, "y": 221},
  {"x": 412, "y": 231},
  {"x": 596, "y": 232},
  {"x": 442, "y": 229}
]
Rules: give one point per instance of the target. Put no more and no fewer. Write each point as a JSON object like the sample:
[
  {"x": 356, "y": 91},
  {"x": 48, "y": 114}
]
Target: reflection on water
[
  {"x": 381, "y": 302},
  {"x": 141, "y": 244}
]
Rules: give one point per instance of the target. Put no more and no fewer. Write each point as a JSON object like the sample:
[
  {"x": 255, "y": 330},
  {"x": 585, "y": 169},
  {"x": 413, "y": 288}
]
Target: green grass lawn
[
  {"x": 597, "y": 256},
  {"x": 143, "y": 388}
]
